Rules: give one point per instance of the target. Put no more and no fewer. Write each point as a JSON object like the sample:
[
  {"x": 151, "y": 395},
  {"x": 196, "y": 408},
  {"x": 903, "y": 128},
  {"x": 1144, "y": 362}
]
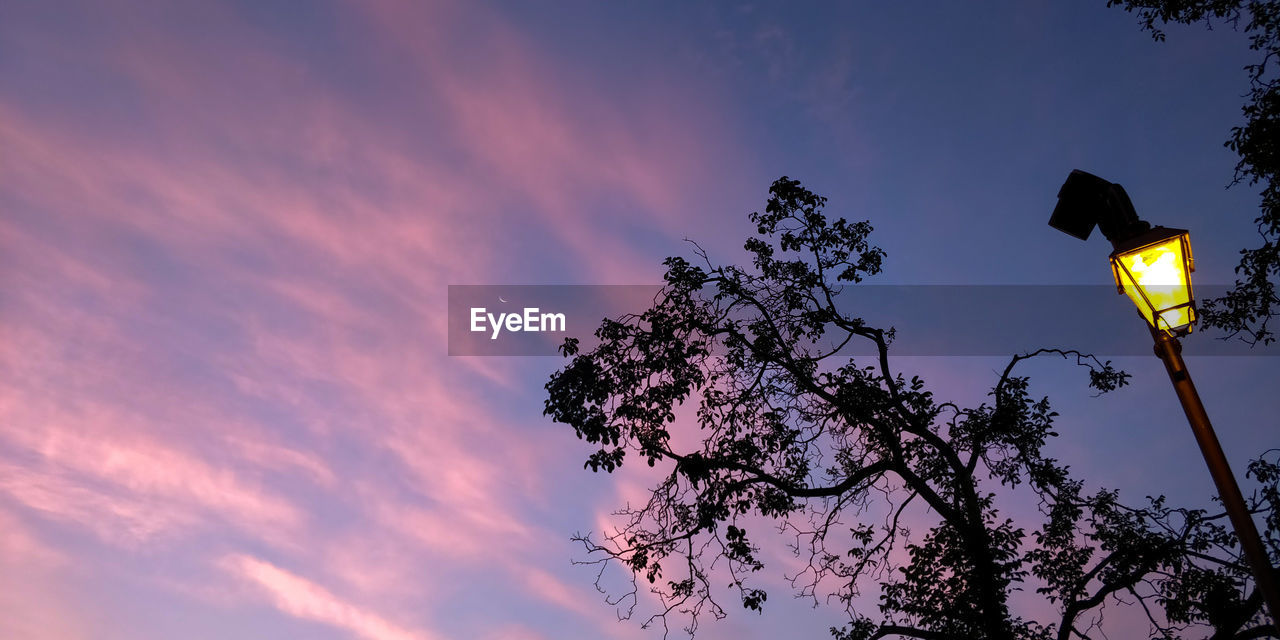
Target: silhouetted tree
[
  {"x": 837, "y": 451},
  {"x": 1246, "y": 309}
]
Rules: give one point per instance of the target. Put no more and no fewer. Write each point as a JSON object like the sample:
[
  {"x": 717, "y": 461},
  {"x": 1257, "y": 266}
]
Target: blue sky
[{"x": 229, "y": 227}]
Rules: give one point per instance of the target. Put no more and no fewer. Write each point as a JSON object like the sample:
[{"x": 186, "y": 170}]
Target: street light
[
  {"x": 1154, "y": 270},
  {"x": 1153, "y": 267}
]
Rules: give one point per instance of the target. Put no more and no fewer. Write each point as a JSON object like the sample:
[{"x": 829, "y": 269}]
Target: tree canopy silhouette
[
  {"x": 840, "y": 453},
  {"x": 1249, "y": 305}
]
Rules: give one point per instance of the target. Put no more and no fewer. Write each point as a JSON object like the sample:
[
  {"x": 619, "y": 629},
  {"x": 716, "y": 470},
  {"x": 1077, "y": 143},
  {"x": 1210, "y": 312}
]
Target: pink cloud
[
  {"x": 578, "y": 598},
  {"x": 33, "y": 574},
  {"x": 561, "y": 145},
  {"x": 515, "y": 632},
  {"x": 301, "y": 598},
  {"x": 130, "y": 492},
  {"x": 300, "y": 368},
  {"x": 21, "y": 544}
]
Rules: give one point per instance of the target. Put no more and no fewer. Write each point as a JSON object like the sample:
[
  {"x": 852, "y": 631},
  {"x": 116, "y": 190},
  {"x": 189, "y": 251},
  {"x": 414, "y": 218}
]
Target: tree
[
  {"x": 1248, "y": 306},
  {"x": 793, "y": 434}
]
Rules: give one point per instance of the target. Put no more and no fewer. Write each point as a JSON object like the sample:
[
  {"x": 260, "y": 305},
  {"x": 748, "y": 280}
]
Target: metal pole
[{"x": 1170, "y": 351}]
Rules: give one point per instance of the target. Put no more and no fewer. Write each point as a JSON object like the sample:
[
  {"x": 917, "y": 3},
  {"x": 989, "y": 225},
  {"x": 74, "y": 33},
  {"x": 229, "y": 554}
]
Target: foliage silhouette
[
  {"x": 1248, "y": 306},
  {"x": 795, "y": 435}
]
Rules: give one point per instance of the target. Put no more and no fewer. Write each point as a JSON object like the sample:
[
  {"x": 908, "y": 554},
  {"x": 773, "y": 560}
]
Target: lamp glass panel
[{"x": 1156, "y": 278}]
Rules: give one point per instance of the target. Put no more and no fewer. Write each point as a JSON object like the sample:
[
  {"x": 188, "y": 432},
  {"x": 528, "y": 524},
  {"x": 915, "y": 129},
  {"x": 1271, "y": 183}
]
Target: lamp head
[
  {"x": 1154, "y": 270},
  {"x": 1152, "y": 266},
  {"x": 1086, "y": 201}
]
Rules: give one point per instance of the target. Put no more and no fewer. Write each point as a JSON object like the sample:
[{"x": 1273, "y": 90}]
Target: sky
[{"x": 227, "y": 232}]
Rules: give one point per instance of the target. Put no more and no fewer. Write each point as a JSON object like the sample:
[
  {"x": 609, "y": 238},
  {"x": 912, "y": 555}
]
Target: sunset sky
[{"x": 227, "y": 232}]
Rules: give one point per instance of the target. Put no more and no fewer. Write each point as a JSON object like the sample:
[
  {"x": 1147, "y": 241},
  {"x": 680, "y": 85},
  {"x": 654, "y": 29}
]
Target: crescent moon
[{"x": 500, "y": 299}]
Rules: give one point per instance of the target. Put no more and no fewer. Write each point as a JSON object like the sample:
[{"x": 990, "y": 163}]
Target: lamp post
[{"x": 1153, "y": 267}]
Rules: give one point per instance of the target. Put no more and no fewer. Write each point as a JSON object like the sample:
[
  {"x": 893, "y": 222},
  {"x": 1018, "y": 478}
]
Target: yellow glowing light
[{"x": 1156, "y": 276}]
